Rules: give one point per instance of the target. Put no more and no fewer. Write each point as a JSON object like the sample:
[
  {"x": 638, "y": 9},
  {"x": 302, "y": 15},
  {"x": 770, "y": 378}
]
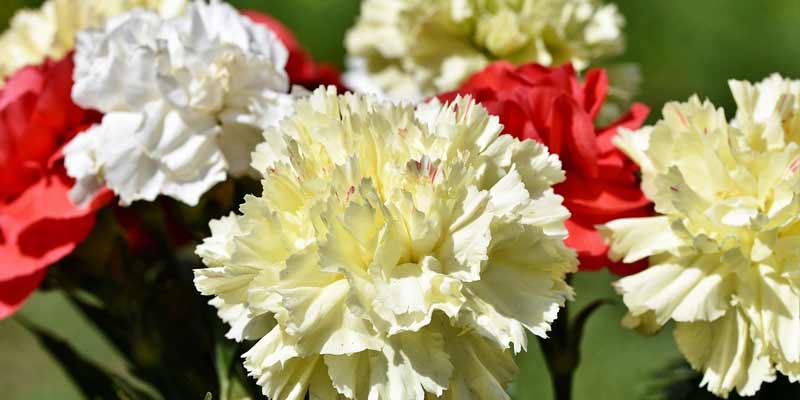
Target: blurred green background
[{"x": 683, "y": 47}]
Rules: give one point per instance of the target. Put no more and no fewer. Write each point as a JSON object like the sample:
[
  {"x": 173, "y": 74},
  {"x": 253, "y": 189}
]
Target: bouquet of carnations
[{"x": 396, "y": 232}]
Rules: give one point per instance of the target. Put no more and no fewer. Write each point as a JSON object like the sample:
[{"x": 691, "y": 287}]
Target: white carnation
[
  {"x": 417, "y": 48},
  {"x": 724, "y": 259},
  {"x": 185, "y": 101},
  {"x": 396, "y": 252},
  {"x": 49, "y": 31}
]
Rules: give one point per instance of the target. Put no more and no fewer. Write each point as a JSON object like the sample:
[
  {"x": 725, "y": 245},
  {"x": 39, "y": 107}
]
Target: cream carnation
[
  {"x": 50, "y": 30},
  {"x": 422, "y": 47},
  {"x": 185, "y": 101},
  {"x": 725, "y": 251},
  {"x": 395, "y": 252}
]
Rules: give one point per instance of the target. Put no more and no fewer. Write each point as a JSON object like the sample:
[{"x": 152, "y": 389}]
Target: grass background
[{"x": 683, "y": 47}]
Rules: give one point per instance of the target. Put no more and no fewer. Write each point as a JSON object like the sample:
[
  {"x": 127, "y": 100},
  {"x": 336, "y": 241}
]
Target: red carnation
[
  {"x": 39, "y": 224},
  {"x": 552, "y": 106},
  {"x": 301, "y": 68}
]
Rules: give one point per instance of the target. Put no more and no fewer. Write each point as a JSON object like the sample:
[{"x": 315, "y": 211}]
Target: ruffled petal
[
  {"x": 483, "y": 370},
  {"x": 384, "y": 232},
  {"x": 726, "y": 354},
  {"x": 185, "y": 100},
  {"x": 699, "y": 290},
  {"x": 633, "y": 239}
]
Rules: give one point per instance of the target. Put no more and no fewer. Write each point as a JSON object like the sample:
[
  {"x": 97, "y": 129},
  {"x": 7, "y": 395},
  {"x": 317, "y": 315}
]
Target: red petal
[
  {"x": 496, "y": 76},
  {"x": 602, "y": 198},
  {"x": 55, "y": 112},
  {"x": 37, "y": 117},
  {"x": 572, "y": 126},
  {"x": 538, "y": 104},
  {"x": 562, "y": 78},
  {"x": 27, "y": 80},
  {"x": 595, "y": 89},
  {"x": 487, "y": 97},
  {"x": 516, "y": 121},
  {"x": 14, "y": 292},
  {"x": 42, "y": 225},
  {"x": 587, "y": 242},
  {"x": 38, "y": 223}
]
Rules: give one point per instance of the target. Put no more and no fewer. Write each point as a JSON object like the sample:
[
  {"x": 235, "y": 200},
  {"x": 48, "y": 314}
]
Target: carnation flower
[
  {"x": 50, "y": 31},
  {"x": 396, "y": 252},
  {"x": 185, "y": 101},
  {"x": 38, "y": 223},
  {"x": 551, "y": 106},
  {"x": 724, "y": 260},
  {"x": 422, "y": 47},
  {"x": 300, "y": 67}
]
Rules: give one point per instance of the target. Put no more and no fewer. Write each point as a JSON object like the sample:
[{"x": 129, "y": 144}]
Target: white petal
[
  {"x": 725, "y": 352},
  {"x": 482, "y": 370},
  {"x": 203, "y": 84},
  {"x": 700, "y": 291},
  {"x": 633, "y": 239}
]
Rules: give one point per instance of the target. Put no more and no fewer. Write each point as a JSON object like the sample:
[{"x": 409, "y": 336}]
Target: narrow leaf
[{"x": 93, "y": 380}]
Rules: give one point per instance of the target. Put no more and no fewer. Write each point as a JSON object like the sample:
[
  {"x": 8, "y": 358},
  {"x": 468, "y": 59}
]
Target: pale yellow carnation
[
  {"x": 50, "y": 31},
  {"x": 396, "y": 252},
  {"x": 725, "y": 249},
  {"x": 421, "y": 47}
]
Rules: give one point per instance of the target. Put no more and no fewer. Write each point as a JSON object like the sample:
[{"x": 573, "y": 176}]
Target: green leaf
[
  {"x": 104, "y": 321},
  {"x": 227, "y": 360},
  {"x": 579, "y": 321},
  {"x": 93, "y": 380},
  {"x": 224, "y": 353}
]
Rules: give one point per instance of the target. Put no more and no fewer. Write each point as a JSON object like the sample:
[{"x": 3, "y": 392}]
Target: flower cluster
[
  {"x": 397, "y": 248},
  {"x": 38, "y": 223},
  {"x": 421, "y": 47},
  {"x": 395, "y": 252},
  {"x": 724, "y": 251},
  {"x": 129, "y": 78},
  {"x": 184, "y": 99},
  {"x": 550, "y": 106},
  {"x": 49, "y": 32}
]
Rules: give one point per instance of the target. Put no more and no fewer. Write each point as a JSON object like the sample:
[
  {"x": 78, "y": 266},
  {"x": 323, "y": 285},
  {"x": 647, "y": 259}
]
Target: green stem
[
  {"x": 562, "y": 349},
  {"x": 561, "y": 354}
]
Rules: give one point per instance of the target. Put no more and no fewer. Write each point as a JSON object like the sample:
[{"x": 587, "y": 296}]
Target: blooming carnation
[
  {"x": 551, "y": 106},
  {"x": 724, "y": 251},
  {"x": 50, "y": 31},
  {"x": 396, "y": 252},
  {"x": 39, "y": 225},
  {"x": 422, "y": 47},
  {"x": 185, "y": 101}
]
